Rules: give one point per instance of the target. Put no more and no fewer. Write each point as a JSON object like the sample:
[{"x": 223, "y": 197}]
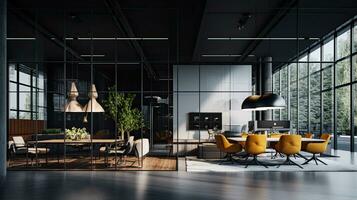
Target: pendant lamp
[
  {"x": 92, "y": 105},
  {"x": 263, "y": 102},
  {"x": 72, "y": 104},
  {"x": 270, "y": 102}
]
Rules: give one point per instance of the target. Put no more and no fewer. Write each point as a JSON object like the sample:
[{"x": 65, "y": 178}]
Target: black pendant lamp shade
[
  {"x": 263, "y": 102},
  {"x": 250, "y": 102}
]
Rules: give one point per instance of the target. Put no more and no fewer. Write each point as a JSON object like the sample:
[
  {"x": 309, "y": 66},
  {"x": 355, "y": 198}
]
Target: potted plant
[
  {"x": 76, "y": 133},
  {"x": 119, "y": 107}
]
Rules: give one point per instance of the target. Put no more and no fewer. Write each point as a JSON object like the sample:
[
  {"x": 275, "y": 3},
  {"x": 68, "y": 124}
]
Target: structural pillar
[
  {"x": 267, "y": 83},
  {"x": 264, "y": 84},
  {"x": 3, "y": 88}
]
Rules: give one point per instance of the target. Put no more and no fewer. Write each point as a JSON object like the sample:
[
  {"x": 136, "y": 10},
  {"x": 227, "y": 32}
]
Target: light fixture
[
  {"x": 93, "y": 55},
  {"x": 263, "y": 102},
  {"x": 221, "y": 55},
  {"x": 270, "y": 101},
  {"x": 262, "y": 38},
  {"x": 250, "y": 102},
  {"x": 92, "y": 105},
  {"x": 72, "y": 104}
]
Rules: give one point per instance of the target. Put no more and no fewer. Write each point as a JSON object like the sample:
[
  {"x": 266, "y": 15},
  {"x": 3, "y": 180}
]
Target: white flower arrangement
[{"x": 76, "y": 133}]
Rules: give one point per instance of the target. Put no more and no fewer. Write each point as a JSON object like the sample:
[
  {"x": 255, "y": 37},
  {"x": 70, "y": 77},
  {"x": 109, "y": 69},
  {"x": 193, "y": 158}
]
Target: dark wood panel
[{"x": 25, "y": 127}]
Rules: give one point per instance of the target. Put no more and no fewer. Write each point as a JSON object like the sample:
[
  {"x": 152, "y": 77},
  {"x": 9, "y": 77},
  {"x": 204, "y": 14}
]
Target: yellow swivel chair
[
  {"x": 255, "y": 145},
  {"x": 289, "y": 145},
  {"x": 225, "y": 146},
  {"x": 317, "y": 148}
]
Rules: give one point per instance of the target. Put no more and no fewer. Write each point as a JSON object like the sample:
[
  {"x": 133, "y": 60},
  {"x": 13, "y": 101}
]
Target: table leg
[
  {"x": 27, "y": 156},
  {"x": 46, "y": 155},
  {"x": 58, "y": 154}
]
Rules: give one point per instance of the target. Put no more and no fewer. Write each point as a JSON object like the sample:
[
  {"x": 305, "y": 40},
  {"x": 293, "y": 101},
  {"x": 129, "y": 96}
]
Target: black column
[
  {"x": 3, "y": 89},
  {"x": 264, "y": 84},
  {"x": 267, "y": 83}
]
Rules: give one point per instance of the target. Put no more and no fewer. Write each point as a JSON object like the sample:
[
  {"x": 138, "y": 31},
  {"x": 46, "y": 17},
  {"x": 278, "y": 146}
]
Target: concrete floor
[{"x": 79, "y": 185}]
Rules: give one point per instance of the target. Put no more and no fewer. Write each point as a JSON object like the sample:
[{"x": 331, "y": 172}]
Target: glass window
[
  {"x": 354, "y": 36},
  {"x": 276, "y": 90},
  {"x": 343, "y": 105},
  {"x": 343, "y": 72},
  {"x": 327, "y": 51},
  {"x": 315, "y": 82},
  {"x": 354, "y": 67},
  {"x": 284, "y": 78},
  {"x": 314, "y": 57},
  {"x": 327, "y": 108},
  {"x": 24, "y": 78},
  {"x": 303, "y": 67},
  {"x": 343, "y": 44},
  {"x": 25, "y": 101},
  {"x": 315, "y": 112},
  {"x": 284, "y": 91},
  {"x": 284, "y": 112},
  {"x": 13, "y": 114},
  {"x": 293, "y": 106},
  {"x": 355, "y": 113},
  {"x": 13, "y": 100},
  {"x": 303, "y": 104},
  {"x": 293, "y": 72},
  {"x": 24, "y": 115},
  {"x": 315, "y": 102},
  {"x": 12, "y": 72},
  {"x": 327, "y": 78}
]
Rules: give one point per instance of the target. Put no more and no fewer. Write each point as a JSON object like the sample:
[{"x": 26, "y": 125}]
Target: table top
[
  {"x": 240, "y": 139},
  {"x": 83, "y": 141}
]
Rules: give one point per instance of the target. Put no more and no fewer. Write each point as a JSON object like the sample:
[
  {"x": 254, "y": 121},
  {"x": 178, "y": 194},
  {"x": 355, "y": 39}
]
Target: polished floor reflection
[
  {"x": 97, "y": 163},
  {"x": 179, "y": 185}
]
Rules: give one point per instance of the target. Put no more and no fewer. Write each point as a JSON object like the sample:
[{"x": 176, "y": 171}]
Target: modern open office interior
[{"x": 158, "y": 99}]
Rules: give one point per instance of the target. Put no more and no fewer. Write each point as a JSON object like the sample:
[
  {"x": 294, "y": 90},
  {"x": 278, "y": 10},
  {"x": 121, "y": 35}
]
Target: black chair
[{"x": 122, "y": 152}]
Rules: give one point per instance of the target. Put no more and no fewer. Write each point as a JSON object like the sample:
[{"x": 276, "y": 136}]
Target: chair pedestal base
[
  {"x": 288, "y": 161},
  {"x": 315, "y": 159},
  {"x": 255, "y": 161},
  {"x": 229, "y": 159}
]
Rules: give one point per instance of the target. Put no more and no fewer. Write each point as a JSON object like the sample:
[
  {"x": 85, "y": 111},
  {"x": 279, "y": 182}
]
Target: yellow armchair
[
  {"x": 225, "y": 146},
  {"x": 255, "y": 145},
  {"x": 289, "y": 145},
  {"x": 317, "y": 148}
]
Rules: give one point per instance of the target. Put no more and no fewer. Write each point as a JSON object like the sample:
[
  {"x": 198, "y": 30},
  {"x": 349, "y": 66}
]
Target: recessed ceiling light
[
  {"x": 118, "y": 63},
  {"x": 93, "y": 55},
  {"x": 261, "y": 38},
  {"x": 122, "y": 38},
  {"x": 21, "y": 38},
  {"x": 221, "y": 55}
]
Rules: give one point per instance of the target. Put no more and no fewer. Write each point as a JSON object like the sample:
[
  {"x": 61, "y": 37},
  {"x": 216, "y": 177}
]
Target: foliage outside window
[{"x": 26, "y": 93}]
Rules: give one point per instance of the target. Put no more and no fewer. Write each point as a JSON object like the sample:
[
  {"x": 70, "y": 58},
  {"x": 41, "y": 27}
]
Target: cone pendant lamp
[
  {"x": 93, "y": 105},
  {"x": 72, "y": 104}
]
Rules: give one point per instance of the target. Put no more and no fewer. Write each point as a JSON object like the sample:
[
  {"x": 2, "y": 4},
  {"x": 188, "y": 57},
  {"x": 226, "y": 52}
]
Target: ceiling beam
[
  {"x": 28, "y": 19},
  {"x": 273, "y": 21},
  {"x": 196, "y": 55},
  {"x": 124, "y": 27}
]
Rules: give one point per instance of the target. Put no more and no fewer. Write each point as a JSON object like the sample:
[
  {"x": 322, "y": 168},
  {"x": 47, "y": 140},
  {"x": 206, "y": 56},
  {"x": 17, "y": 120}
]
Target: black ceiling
[{"x": 187, "y": 24}]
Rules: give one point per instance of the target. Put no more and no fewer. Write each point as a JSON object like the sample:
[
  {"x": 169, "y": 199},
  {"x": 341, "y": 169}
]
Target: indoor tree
[{"x": 119, "y": 107}]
